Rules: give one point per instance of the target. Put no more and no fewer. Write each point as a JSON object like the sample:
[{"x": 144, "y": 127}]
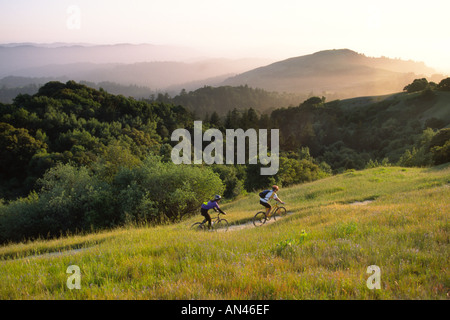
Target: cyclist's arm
[
  {"x": 218, "y": 209},
  {"x": 276, "y": 198}
]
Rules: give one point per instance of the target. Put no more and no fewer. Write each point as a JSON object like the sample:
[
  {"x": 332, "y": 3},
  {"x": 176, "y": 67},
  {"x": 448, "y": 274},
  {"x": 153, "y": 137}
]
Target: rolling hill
[
  {"x": 22, "y": 56},
  {"x": 335, "y": 73},
  {"x": 162, "y": 68}
]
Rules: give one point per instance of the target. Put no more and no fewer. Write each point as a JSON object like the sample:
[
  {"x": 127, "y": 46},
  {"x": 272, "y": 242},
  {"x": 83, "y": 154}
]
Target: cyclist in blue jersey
[{"x": 212, "y": 204}]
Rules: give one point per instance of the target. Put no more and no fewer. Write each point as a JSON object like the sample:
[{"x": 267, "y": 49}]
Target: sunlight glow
[{"x": 235, "y": 28}]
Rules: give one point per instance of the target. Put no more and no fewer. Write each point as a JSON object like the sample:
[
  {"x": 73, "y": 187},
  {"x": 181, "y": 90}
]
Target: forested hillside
[
  {"x": 220, "y": 100},
  {"x": 350, "y": 133},
  {"x": 74, "y": 158}
]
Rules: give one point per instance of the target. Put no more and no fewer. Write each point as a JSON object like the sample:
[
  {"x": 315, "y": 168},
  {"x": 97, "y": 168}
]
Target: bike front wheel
[
  {"x": 280, "y": 212},
  {"x": 222, "y": 224},
  {"x": 259, "y": 219}
]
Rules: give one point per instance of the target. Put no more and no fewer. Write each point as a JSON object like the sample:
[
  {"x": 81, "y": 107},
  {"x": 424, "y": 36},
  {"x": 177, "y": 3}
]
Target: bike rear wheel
[
  {"x": 198, "y": 226},
  {"x": 259, "y": 219},
  {"x": 222, "y": 224}
]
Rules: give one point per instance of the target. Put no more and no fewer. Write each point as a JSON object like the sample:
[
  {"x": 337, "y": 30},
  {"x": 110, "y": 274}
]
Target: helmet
[
  {"x": 217, "y": 197},
  {"x": 275, "y": 187}
]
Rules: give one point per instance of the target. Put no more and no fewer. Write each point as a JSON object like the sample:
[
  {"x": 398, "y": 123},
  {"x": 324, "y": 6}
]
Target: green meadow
[{"x": 392, "y": 217}]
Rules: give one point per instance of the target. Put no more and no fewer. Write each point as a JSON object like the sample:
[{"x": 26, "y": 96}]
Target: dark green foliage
[
  {"x": 348, "y": 134},
  {"x": 74, "y": 123},
  {"x": 73, "y": 199},
  {"x": 226, "y": 98},
  {"x": 444, "y": 85},
  {"x": 440, "y": 146},
  {"x": 70, "y": 199},
  {"x": 416, "y": 85},
  {"x": 431, "y": 148},
  {"x": 419, "y": 155},
  {"x": 17, "y": 149},
  {"x": 233, "y": 178},
  {"x": 164, "y": 191},
  {"x": 295, "y": 171}
]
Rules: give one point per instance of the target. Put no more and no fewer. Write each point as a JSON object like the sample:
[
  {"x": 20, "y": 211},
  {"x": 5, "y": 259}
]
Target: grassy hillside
[
  {"x": 392, "y": 217},
  {"x": 416, "y": 104}
]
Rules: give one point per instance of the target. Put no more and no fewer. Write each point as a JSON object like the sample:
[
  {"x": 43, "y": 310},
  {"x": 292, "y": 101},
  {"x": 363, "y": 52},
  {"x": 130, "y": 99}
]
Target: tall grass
[{"x": 320, "y": 250}]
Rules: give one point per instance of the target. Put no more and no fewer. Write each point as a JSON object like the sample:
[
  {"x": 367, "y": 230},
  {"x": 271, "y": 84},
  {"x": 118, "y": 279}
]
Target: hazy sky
[{"x": 407, "y": 29}]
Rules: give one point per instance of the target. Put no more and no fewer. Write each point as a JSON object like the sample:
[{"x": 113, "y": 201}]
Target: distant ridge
[
  {"x": 155, "y": 66},
  {"x": 336, "y": 74},
  {"x": 343, "y": 72},
  {"x": 28, "y": 55}
]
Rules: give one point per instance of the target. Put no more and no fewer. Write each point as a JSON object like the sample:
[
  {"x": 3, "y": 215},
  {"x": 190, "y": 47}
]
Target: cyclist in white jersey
[{"x": 269, "y": 196}]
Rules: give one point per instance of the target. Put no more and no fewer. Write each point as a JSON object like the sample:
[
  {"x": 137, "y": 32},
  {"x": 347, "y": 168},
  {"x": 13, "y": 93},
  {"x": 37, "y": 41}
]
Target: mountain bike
[
  {"x": 261, "y": 217},
  {"x": 216, "y": 224}
]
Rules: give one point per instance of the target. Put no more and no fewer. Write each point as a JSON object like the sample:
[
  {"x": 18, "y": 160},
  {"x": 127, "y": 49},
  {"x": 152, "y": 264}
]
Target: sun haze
[{"x": 235, "y": 28}]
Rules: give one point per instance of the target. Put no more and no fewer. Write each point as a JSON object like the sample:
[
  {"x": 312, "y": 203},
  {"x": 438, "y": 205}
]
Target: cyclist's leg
[
  {"x": 266, "y": 205},
  {"x": 207, "y": 216}
]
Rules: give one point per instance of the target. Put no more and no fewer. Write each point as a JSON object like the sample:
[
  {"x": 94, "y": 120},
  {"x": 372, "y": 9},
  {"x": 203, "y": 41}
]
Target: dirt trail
[
  {"x": 251, "y": 225},
  {"x": 361, "y": 203},
  {"x": 55, "y": 253}
]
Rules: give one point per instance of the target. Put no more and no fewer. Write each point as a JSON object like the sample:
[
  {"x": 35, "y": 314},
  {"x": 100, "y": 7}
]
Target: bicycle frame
[
  {"x": 262, "y": 216},
  {"x": 213, "y": 220},
  {"x": 273, "y": 210},
  {"x": 216, "y": 222}
]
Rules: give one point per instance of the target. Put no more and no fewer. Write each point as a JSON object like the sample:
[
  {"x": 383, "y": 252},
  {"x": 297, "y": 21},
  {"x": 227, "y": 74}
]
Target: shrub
[
  {"x": 419, "y": 155},
  {"x": 164, "y": 191},
  {"x": 444, "y": 85},
  {"x": 73, "y": 199},
  {"x": 233, "y": 178},
  {"x": 440, "y": 146},
  {"x": 416, "y": 85},
  {"x": 70, "y": 199},
  {"x": 20, "y": 219}
]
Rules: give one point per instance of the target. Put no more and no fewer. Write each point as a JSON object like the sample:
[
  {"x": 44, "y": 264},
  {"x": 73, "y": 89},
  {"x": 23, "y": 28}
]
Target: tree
[
  {"x": 17, "y": 147},
  {"x": 252, "y": 119},
  {"x": 233, "y": 119},
  {"x": 416, "y": 85},
  {"x": 313, "y": 101},
  {"x": 215, "y": 119},
  {"x": 231, "y": 178},
  {"x": 440, "y": 146},
  {"x": 158, "y": 191},
  {"x": 419, "y": 155},
  {"x": 444, "y": 85},
  {"x": 114, "y": 158}
]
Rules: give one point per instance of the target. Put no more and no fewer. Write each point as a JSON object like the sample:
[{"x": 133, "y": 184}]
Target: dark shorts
[
  {"x": 205, "y": 213},
  {"x": 265, "y": 204}
]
